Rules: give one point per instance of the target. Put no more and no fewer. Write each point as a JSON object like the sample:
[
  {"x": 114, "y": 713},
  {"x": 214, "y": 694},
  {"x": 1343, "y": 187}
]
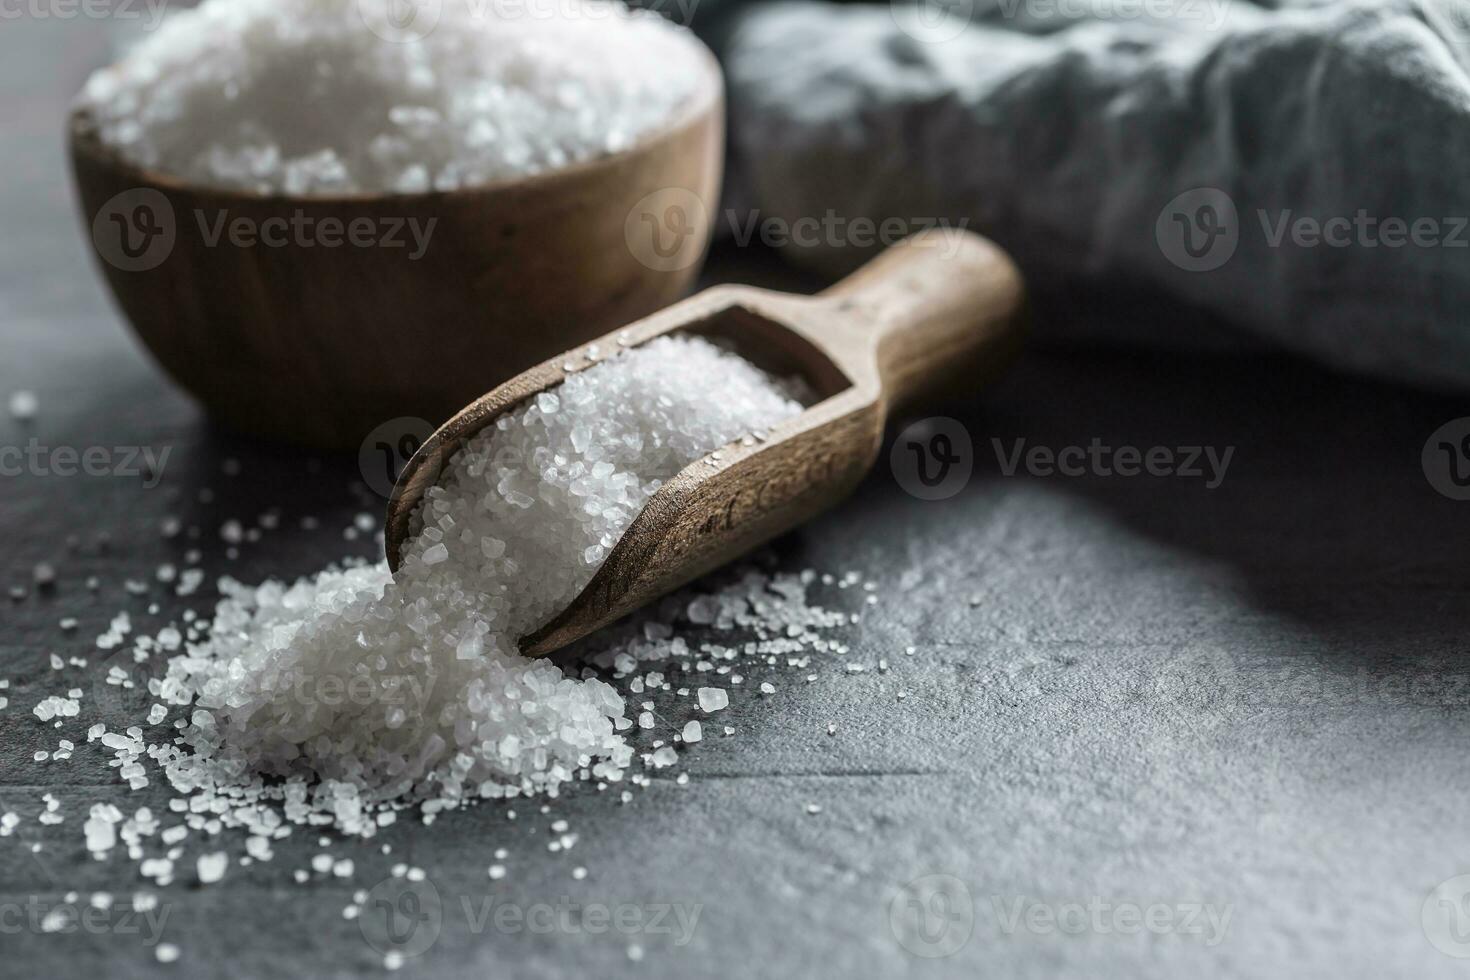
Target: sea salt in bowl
[{"x": 318, "y": 225}]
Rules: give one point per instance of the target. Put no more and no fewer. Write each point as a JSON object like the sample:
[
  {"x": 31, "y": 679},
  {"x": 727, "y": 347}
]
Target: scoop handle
[{"x": 942, "y": 306}]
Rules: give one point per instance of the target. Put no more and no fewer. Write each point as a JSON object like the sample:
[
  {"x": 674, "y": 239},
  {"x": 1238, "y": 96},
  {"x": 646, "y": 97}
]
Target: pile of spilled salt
[
  {"x": 317, "y": 97},
  {"x": 353, "y": 689}
]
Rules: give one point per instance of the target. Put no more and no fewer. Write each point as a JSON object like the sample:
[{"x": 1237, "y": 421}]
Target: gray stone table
[{"x": 1152, "y": 729}]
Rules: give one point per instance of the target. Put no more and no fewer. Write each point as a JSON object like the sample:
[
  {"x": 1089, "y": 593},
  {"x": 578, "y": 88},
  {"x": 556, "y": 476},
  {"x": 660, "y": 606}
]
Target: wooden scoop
[{"x": 938, "y": 307}]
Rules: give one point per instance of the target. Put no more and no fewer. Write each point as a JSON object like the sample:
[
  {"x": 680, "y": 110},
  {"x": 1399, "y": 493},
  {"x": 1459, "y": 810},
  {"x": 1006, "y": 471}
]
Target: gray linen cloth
[{"x": 1182, "y": 151}]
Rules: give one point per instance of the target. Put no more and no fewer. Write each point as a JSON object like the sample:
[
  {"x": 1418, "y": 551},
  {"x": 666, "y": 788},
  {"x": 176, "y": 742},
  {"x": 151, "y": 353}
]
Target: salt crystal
[
  {"x": 24, "y": 405},
  {"x": 211, "y": 867},
  {"x": 507, "y": 725},
  {"x": 489, "y": 93},
  {"x": 713, "y": 698}
]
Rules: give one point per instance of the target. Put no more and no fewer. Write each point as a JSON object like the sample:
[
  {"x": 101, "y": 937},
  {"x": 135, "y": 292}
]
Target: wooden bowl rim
[{"x": 704, "y": 104}]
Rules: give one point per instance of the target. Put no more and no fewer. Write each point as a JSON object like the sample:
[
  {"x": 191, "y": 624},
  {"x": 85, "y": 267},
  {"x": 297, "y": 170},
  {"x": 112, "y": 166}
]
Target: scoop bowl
[{"x": 941, "y": 307}]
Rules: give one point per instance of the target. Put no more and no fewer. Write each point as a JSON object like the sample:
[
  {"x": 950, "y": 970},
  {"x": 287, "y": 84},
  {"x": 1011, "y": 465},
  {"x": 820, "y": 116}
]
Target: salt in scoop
[{"x": 939, "y": 307}]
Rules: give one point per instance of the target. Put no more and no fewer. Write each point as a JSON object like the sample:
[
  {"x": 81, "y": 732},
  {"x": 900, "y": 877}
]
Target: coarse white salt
[
  {"x": 24, "y": 405},
  {"x": 353, "y": 685},
  {"x": 713, "y": 698},
  {"x": 211, "y": 867},
  {"x": 322, "y": 97}
]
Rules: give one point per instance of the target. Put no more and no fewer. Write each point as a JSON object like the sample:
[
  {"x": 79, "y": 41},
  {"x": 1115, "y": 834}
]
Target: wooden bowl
[{"x": 319, "y": 345}]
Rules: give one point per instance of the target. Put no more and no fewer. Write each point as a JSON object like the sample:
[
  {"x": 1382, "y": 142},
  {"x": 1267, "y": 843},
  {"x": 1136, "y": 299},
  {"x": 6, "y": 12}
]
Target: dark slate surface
[{"x": 1126, "y": 692}]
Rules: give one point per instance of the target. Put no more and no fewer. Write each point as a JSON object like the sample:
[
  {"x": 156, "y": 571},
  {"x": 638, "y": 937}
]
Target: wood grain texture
[
  {"x": 319, "y": 345},
  {"x": 938, "y": 305}
]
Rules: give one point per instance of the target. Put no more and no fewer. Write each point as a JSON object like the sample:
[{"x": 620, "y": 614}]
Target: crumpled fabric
[{"x": 1144, "y": 161}]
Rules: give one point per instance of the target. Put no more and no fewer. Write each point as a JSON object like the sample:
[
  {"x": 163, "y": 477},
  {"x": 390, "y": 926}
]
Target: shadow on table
[{"x": 1324, "y": 511}]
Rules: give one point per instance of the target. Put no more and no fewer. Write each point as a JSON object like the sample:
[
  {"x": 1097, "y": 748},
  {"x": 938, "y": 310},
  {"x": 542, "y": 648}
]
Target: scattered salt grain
[
  {"x": 713, "y": 698},
  {"x": 24, "y": 405},
  {"x": 639, "y": 417},
  {"x": 211, "y": 867}
]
